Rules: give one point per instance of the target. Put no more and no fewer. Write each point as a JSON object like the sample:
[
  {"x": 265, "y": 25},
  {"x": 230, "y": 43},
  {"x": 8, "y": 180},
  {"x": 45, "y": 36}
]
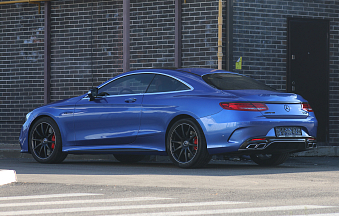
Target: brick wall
[
  {"x": 152, "y": 34},
  {"x": 21, "y": 66},
  {"x": 200, "y": 33},
  {"x": 86, "y": 50},
  {"x": 86, "y": 46}
]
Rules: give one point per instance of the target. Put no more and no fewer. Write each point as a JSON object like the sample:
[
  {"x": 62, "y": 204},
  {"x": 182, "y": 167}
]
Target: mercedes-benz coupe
[{"x": 188, "y": 114}]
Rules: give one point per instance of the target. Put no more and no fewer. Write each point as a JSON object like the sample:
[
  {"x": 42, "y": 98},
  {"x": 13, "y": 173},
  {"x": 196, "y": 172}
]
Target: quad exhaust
[
  {"x": 273, "y": 143},
  {"x": 256, "y": 146}
]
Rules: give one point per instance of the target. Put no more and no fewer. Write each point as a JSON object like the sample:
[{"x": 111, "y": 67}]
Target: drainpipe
[
  {"x": 229, "y": 35},
  {"x": 126, "y": 35},
  {"x": 220, "y": 36},
  {"x": 177, "y": 49},
  {"x": 47, "y": 53}
]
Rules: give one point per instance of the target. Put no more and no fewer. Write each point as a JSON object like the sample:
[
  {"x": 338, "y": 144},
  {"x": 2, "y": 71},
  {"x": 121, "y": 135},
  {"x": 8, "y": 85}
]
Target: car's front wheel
[
  {"x": 269, "y": 159},
  {"x": 45, "y": 141},
  {"x": 186, "y": 144}
]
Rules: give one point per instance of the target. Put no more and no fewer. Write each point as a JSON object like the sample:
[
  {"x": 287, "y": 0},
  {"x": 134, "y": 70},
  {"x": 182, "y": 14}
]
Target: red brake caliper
[
  {"x": 195, "y": 141},
  {"x": 53, "y": 139}
]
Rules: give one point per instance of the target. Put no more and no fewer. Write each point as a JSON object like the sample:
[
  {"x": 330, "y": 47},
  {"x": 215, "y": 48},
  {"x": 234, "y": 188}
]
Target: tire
[
  {"x": 45, "y": 142},
  {"x": 269, "y": 159},
  {"x": 128, "y": 158},
  {"x": 186, "y": 145}
]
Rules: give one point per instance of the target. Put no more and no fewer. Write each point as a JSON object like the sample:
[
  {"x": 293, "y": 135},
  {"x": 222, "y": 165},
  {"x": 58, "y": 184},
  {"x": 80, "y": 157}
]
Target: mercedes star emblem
[{"x": 287, "y": 108}]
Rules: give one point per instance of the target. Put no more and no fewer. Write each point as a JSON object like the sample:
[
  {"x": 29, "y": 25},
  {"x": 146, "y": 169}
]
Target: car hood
[{"x": 65, "y": 102}]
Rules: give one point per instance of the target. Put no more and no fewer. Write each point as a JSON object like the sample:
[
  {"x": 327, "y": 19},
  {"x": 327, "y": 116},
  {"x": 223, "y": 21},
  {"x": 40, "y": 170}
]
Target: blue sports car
[{"x": 188, "y": 114}]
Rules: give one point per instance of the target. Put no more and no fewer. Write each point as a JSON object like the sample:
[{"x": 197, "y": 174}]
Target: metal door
[{"x": 308, "y": 66}]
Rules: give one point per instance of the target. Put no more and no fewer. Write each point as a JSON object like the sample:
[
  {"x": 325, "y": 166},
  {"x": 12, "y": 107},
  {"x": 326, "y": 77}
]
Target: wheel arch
[
  {"x": 37, "y": 119},
  {"x": 177, "y": 118}
]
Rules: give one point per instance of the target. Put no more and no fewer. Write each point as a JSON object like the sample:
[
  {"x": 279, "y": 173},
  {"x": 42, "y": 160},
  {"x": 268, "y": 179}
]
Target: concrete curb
[{"x": 7, "y": 176}]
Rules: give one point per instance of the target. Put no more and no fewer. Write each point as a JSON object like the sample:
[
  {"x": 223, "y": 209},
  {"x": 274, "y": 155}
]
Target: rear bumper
[
  {"x": 229, "y": 132},
  {"x": 271, "y": 145}
]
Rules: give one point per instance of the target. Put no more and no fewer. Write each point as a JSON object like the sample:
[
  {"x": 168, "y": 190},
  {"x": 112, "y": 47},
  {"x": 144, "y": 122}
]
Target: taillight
[
  {"x": 306, "y": 107},
  {"x": 244, "y": 106}
]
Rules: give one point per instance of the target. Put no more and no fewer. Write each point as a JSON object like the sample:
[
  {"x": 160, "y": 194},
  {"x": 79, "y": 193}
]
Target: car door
[
  {"x": 114, "y": 117},
  {"x": 158, "y": 106}
]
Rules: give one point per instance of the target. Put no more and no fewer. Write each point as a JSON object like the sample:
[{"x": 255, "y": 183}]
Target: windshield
[{"x": 228, "y": 81}]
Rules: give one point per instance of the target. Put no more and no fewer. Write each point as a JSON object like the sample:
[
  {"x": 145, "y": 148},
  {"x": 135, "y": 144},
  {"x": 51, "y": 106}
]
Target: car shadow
[{"x": 110, "y": 166}]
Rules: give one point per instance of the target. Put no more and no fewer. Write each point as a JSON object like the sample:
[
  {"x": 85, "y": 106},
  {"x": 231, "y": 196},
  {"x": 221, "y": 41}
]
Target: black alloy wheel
[
  {"x": 186, "y": 145},
  {"x": 269, "y": 159},
  {"x": 45, "y": 142}
]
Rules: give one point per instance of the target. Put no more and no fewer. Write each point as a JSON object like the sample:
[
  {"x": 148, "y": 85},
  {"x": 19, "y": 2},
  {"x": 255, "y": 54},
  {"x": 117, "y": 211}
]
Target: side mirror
[{"x": 92, "y": 94}]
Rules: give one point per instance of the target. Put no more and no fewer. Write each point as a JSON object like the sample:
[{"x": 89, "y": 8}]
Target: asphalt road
[{"x": 301, "y": 186}]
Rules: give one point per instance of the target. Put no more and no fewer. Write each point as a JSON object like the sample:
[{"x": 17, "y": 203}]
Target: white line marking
[
  {"x": 48, "y": 196},
  {"x": 108, "y": 208},
  {"x": 53, "y": 203},
  {"x": 230, "y": 211}
]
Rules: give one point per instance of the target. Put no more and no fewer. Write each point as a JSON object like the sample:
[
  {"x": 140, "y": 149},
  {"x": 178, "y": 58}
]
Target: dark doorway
[{"x": 308, "y": 67}]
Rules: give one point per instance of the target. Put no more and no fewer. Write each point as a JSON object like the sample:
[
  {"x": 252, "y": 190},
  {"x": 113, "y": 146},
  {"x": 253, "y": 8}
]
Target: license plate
[{"x": 288, "y": 131}]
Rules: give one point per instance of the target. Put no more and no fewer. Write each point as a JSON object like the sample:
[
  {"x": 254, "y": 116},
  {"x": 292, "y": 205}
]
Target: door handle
[{"x": 130, "y": 100}]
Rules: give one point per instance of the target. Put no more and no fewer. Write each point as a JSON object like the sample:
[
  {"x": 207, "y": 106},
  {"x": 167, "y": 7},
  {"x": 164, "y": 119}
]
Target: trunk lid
[{"x": 280, "y": 105}]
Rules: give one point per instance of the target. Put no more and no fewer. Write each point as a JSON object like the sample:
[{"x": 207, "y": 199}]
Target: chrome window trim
[
  {"x": 168, "y": 92},
  {"x": 109, "y": 96},
  {"x": 155, "y": 73}
]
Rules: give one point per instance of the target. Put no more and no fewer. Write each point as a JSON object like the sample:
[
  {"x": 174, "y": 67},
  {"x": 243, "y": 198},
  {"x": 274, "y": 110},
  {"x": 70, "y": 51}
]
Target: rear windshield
[{"x": 228, "y": 81}]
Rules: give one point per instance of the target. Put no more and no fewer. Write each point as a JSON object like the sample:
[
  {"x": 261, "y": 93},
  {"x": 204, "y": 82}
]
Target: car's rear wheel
[
  {"x": 186, "y": 144},
  {"x": 269, "y": 159},
  {"x": 45, "y": 142},
  {"x": 128, "y": 158}
]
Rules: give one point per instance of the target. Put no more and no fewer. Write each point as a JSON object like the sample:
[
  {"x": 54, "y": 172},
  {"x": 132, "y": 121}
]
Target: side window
[
  {"x": 163, "y": 83},
  {"x": 131, "y": 84}
]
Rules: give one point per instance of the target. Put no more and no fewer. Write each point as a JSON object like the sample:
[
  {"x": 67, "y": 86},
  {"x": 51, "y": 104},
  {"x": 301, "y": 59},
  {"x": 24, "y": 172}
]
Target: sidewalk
[{"x": 13, "y": 151}]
